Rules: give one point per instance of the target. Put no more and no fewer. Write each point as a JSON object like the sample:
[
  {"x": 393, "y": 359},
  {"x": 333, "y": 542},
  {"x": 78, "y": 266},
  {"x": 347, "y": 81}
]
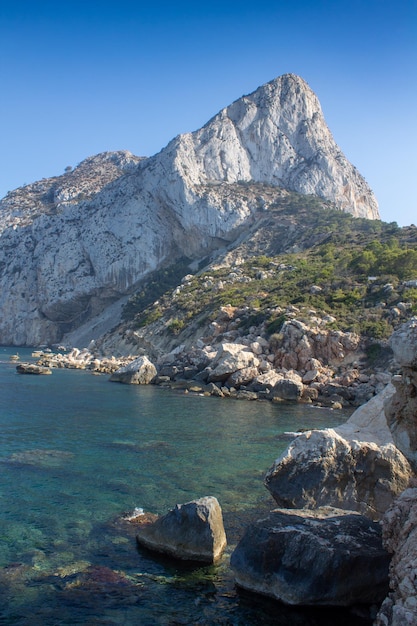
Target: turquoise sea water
[{"x": 78, "y": 452}]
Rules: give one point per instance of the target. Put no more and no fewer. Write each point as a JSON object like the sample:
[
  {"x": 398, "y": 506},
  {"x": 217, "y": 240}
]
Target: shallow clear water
[{"x": 78, "y": 452}]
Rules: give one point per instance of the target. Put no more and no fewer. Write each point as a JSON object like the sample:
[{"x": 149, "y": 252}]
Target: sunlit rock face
[
  {"x": 355, "y": 466},
  {"x": 401, "y": 409},
  {"x": 74, "y": 244},
  {"x": 276, "y": 135}
]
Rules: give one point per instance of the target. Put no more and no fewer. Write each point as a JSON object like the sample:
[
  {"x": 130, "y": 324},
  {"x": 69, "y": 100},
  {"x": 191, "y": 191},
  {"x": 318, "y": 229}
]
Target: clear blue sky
[{"x": 78, "y": 78}]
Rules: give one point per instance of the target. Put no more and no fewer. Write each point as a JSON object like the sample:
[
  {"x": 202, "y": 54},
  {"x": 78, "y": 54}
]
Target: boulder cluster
[
  {"x": 346, "y": 527},
  {"x": 306, "y": 361}
]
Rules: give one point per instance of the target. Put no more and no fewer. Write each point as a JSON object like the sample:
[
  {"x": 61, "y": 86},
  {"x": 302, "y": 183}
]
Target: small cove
[{"x": 78, "y": 452}]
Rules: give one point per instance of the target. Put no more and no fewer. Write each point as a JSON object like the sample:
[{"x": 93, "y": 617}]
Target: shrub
[
  {"x": 275, "y": 325},
  {"x": 379, "y": 329},
  {"x": 176, "y": 326},
  {"x": 373, "y": 351}
]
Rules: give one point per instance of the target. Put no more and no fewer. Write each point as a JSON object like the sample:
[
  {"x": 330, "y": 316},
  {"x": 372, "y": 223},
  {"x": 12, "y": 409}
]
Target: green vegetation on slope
[
  {"x": 357, "y": 270},
  {"x": 155, "y": 285}
]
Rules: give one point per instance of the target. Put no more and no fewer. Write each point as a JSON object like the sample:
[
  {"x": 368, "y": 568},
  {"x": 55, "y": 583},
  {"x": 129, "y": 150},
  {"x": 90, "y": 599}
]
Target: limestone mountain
[{"x": 75, "y": 244}]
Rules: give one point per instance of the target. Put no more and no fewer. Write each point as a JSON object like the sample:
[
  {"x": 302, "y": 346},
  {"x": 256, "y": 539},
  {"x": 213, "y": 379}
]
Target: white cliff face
[
  {"x": 73, "y": 244},
  {"x": 276, "y": 135}
]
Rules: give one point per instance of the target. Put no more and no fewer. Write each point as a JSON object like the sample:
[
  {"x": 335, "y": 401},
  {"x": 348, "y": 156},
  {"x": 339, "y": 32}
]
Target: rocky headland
[
  {"x": 245, "y": 260},
  {"x": 75, "y": 246}
]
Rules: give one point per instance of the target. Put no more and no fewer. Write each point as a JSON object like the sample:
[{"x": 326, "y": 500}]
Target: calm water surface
[{"x": 78, "y": 452}]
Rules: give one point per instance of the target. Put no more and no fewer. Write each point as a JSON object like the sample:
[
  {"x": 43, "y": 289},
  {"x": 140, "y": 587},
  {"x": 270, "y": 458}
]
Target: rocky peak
[
  {"x": 94, "y": 173},
  {"x": 73, "y": 245},
  {"x": 276, "y": 135},
  {"x": 22, "y": 205}
]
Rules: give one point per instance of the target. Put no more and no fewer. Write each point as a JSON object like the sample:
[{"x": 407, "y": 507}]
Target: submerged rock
[
  {"x": 193, "y": 531},
  {"x": 40, "y": 457},
  {"x": 95, "y": 587},
  {"x": 325, "y": 557}
]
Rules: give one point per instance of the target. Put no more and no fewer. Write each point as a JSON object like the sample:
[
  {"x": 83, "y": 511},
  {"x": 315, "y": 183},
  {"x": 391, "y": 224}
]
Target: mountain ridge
[{"x": 75, "y": 244}]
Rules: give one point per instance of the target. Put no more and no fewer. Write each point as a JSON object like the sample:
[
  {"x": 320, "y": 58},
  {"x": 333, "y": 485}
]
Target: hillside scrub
[{"x": 361, "y": 272}]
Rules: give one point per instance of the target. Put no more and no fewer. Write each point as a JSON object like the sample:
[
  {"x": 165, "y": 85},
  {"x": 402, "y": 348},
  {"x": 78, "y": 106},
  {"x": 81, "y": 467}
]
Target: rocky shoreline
[
  {"x": 307, "y": 362},
  {"x": 346, "y": 534},
  {"x": 361, "y": 475}
]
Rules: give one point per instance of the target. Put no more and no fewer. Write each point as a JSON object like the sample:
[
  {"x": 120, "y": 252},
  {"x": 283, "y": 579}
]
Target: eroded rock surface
[
  {"x": 399, "y": 528},
  {"x": 322, "y": 557},
  {"x": 193, "y": 531},
  {"x": 355, "y": 466}
]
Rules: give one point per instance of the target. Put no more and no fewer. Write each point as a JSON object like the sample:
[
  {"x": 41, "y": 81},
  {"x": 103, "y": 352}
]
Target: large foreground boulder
[
  {"x": 139, "y": 372},
  {"x": 325, "y": 557},
  {"x": 193, "y": 531},
  {"x": 399, "y": 528},
  {"x": 355, "y": 466}
]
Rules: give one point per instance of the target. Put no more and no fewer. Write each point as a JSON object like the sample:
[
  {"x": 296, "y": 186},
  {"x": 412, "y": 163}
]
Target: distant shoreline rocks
[
  {"x": 250, "y": 367},
  {"x": 32, "y": 369}
]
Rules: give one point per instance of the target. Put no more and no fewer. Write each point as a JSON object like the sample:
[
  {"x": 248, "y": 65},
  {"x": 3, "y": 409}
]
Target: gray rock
[
  {"x": 170, "y": 370},
  {"x": 355, "y": 466},
  {"x": 203, "y": 375},
  {"x": 244, "y": 394},
  {"x": 139, "y": 372},
  {"x": 161, "y": 380},
  {"x": 189, "y": 373},
  {"x": 401, "y": 408},
  {"x": 325, "y": 557},
  {"x": 266, "y": 381},
  {"x": 331, "y": 389},
  {"x": 193, "y": 531},
  {"x": 242, "y": 377},
  {"x": 399, "y": 529},
  {"x": 31, "y": 368},
  {"x": 214, "y": 390},
  {"x": 230, "y": 358},
  {"x": 404, "y": 344},
  {"x": 70, "y": 230},
  {"x": 287, "y": 389}
]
